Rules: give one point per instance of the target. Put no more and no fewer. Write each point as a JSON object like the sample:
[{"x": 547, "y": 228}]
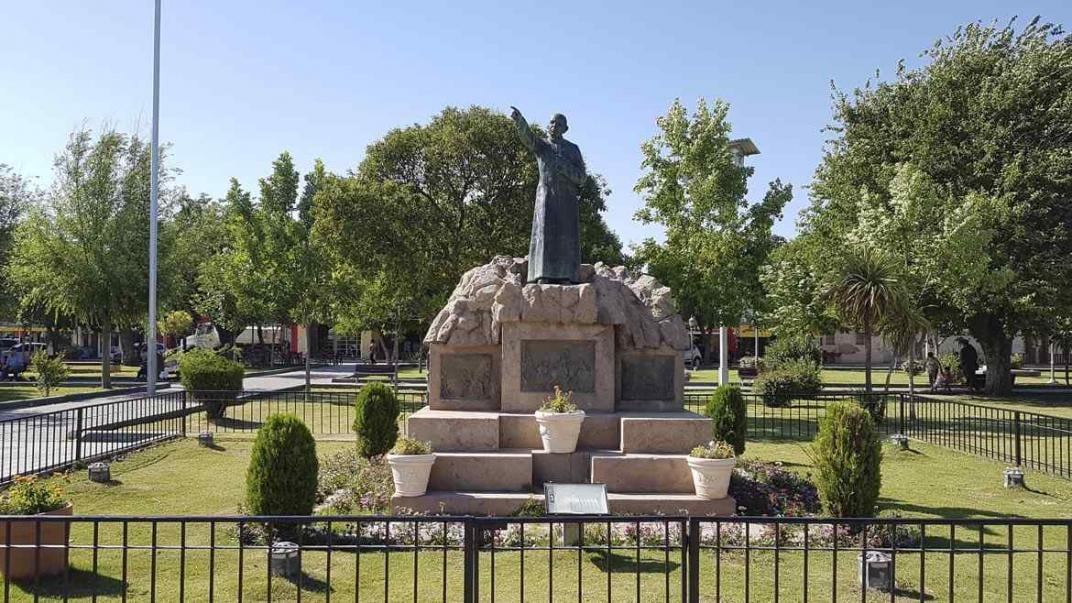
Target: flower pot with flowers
[
  {"x": 33, "y": 548},
  {"x": 712, "y": 465},
  {"x": 411, "y": 463},
  {"x": 560, "y": 422}
]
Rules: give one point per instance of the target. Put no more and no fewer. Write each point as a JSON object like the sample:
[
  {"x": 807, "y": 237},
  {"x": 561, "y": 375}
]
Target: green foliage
[
  {"x": 81, "y": 252},
  {"x": 30, "y": 496},
  {"x": 411, "y": 446},
  {"x": 729, "y": 415},
  {"x": 874, "y": 404},
  {"x": 958, "y": 168},
  {"x": 376, "y": 412},
  {"x": 791, "y": 348},
  {"x": 350, "y": 484},
  {"x": 847, "y": 455},
  {"x": 715, "y": 241},
  {"x": 50, "y": 371},
  {"x": 866, "y": 291},
  {"x": 559, "y": 402},
  {"x": 213, "y": 380},
  {"x": 793, "y": 280},
  {"x": 790, "y": 380},
  {"x": 453, "y": 193},
  {"x": 1017, "y": 361},
  {"x": 177, "y": 323},
  {"x": 950, "y": 363},
  {"x": 282, "y": 474},
  {"x": 713, "y": 450}
]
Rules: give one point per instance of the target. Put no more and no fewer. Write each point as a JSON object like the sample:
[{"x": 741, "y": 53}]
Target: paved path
[{"x": 44, "y": 437}]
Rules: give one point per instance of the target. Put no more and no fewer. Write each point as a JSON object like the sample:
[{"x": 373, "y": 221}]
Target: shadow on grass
[
  {"x": 77, "y": 583},
  {"x": 627, "y": 564},
  {"x": 308, "y": 583},
  {"x": 237, "y": 424}
]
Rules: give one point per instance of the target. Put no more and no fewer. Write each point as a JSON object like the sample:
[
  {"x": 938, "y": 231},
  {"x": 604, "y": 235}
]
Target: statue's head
[{"x": 558, "y": 125}]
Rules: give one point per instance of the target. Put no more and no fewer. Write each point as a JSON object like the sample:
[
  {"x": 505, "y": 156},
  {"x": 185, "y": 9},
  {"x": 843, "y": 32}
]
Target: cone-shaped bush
[
  {"x": 375, "y": 420},
  {"x": 729, "y": 415},
  {"x": 847, "y": 455},
  {"x": 282, "y": 474}
]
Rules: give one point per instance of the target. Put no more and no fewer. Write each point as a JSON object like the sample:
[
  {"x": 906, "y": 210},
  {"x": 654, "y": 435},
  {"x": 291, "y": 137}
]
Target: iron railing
[
  {"x": 1025, "y": 439},
  {"x": 581, "y": 558},
  {"x": 36, "y": 443}
]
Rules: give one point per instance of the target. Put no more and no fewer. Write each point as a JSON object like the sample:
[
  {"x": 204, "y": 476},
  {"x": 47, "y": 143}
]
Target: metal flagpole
[{"x": 154, "y": 191}]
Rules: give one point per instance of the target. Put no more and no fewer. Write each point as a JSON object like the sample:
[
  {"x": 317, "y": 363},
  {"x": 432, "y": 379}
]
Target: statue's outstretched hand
[{"x": 514, "y": 113}]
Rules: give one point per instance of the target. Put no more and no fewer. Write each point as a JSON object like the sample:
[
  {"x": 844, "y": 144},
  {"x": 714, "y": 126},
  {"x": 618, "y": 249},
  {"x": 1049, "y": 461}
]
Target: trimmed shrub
[
  {"x": 847, "y": 455},
  {"x": 792, "y": 379},
  {"x": 375, "y": 420},
  {"x": 787, "y": 349},
  {"x": 729, "y": 415},
  {"x": 282, "y": 474},
  {"x": 212, "y": 380}
]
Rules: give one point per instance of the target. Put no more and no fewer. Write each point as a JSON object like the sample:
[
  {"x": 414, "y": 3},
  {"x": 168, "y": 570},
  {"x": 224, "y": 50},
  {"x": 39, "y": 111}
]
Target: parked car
[{"x": 692, "y": 357}]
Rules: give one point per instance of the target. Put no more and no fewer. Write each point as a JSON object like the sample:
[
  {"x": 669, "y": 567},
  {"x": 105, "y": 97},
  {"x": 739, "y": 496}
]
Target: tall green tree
[
  {"x": 83, "y": 251},
  {"x": 715, "y": 241},
  {"x": 866, "y": 292},
  {"x": 983, "y": 124},
  {"x": 429, "y": 202},
  {"x": 16, "y": 194}
]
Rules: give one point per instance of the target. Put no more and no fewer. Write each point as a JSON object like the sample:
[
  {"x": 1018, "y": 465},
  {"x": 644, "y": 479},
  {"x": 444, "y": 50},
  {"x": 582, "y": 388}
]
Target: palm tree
[{"x": 865, "y": 292}]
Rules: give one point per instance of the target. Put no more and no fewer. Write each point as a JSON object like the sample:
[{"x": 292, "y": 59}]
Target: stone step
[
  {"x": 599, "y": 431},
  {"x": 508, "y": 503},
  {"x": 503, "y": 470},
  {"x": 572, "y": 468},
  {"x": 642, "y": 473},
  {"x": 455, "y": 430},
  {"x": 671, "y": 433}
]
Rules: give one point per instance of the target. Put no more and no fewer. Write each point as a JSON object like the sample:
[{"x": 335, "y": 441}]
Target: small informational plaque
[{"x": 576, "y": 499}]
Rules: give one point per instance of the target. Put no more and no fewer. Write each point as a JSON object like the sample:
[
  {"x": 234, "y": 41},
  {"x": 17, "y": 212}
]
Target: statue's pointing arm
[{"x": 523, "y": 129}]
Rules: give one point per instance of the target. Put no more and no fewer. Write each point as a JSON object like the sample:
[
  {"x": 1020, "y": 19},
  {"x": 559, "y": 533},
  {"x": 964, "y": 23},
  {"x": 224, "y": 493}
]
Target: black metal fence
[
  {"x": 1025, "y": 439},
  {"x": 534, "y": 559},
  {"x": 35, "y": 443}
]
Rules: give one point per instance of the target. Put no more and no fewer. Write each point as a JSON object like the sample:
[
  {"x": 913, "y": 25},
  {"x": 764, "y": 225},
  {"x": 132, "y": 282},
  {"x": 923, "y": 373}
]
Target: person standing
[
  {"x": 969, "y": 362},
  {"x": 932, "y": 366}
]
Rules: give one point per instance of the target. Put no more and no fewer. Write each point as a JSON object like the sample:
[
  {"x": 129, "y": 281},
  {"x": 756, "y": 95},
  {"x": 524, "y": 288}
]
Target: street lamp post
[
  {"x": 1053, "y": 365},
  {"x": 154, "y": 191},
  {"x": 741, "y": 148}
]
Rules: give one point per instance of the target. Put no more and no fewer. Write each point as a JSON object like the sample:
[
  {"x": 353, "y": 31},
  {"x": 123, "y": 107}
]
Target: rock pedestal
[{"x": 498, "y": 349}]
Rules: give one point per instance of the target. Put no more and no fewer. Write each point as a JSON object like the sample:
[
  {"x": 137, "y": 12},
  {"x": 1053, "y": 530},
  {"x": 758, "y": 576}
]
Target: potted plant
[
  {"x": 37, "y": 548},
  {"x": 711, "y": 467},
  {"x": 560, "y": 422},
  {"x": 411, "y": 463}
]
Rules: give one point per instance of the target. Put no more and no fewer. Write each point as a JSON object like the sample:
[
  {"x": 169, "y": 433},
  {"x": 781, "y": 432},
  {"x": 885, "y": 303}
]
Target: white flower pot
[
  {"x": 560, "y": 430},
  {"x": 711, "y": 477},
  {"x": 410, "y": 472}
]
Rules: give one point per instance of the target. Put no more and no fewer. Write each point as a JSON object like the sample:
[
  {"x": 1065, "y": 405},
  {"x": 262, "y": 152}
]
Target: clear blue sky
[{"x": 244, "y": 80}]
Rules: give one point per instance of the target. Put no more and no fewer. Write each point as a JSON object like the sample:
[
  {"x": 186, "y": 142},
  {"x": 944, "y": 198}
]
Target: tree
[
  {"x": 984, "y": 122},
  {"x": 426, "y": 204},
  {"x": 866, "y": 292},
  {"x": 16, "y": 194},
  {"x": 793, "y": 281},
  {"x": 196, "y": 233},
  {"x": 313, "y": 304},
  {"x": 83, "y": 251},
  {"x": 715, "y": 242},
  {"x": 177, "y": 324}
]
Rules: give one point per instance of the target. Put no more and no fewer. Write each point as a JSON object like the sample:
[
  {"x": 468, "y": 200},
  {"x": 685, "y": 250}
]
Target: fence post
[
  {"x": 470, "y": 557},
  {"x": 901, "y": 413},
  {"x": 78, "y": 435},
  {"x": 182, "y": 405},
  {"x": 1016, "y": 433},
  {"x": 691, "y": 570}
]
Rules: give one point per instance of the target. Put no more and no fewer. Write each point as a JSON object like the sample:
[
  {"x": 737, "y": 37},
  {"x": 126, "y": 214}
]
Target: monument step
[
  {"x": 455, "y": 430},
  {"x": 508, "y": 503},
  {"x": 670, "y": 433},
  {"x": 503, "y": 470},
  {"x": 643, "y": 473}
]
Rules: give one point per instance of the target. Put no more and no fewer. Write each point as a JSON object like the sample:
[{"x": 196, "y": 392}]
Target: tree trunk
[
  {"x": 997, "y": 349},
  {"x": 867, "y": 357},
  {"x": 308, "y": 355},
  {"x": 889, "y": 374},
  {"x": 106, "y": 355},
  {"x": 126, "y": 346}
]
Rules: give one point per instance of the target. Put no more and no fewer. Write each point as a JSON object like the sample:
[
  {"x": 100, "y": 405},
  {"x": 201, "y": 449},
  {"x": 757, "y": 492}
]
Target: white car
[{"x": 692, "y": 357}]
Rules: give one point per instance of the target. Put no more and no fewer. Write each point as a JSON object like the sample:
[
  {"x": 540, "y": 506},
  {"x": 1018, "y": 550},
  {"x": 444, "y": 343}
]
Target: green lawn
[
  {"x": 851, "y": 377},
  {"x": 182, "y": 478},
  {"x": 28, "y": 391}
]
